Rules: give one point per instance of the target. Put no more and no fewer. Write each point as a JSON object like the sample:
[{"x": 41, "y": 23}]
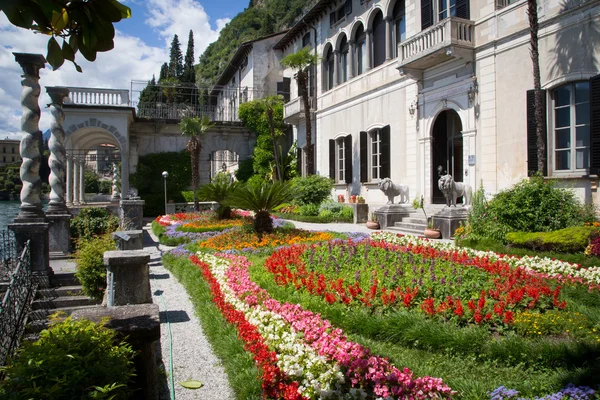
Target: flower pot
[
  {"x": 372, "y": 225},
  {"x": 360, "y": 201},
  {"x": 431, "y": 233}
]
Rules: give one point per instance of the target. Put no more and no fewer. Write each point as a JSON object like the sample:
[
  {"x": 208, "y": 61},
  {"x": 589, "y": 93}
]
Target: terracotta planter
[
  {"x": 360, "y": 201},
  {"x": 372, "y": 225},
  {"x": 431, "y": 233}
]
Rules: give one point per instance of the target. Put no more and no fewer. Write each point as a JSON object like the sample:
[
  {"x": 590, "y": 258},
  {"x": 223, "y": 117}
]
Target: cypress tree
[
  {"x": 176, "y": 59},
  {"x": 164, "y": 72},
  {"x": 189, "y": 74}
]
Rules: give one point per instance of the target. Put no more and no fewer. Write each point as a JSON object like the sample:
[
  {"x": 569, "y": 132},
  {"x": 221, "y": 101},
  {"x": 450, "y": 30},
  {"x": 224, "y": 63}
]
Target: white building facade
[{"x": 409, "y": 89}]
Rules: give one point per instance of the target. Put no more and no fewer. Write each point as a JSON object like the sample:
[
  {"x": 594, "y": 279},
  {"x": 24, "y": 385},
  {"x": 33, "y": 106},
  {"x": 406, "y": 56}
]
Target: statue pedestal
[
  {"x": 59, "y": 234},
  {"x": 448, "y": 220},
  {"x": 37, "y": 234},
  {"x": 389, "y": 214},
  {"x": 361, "y": 212},
  {"x": 131, "y": 213}
]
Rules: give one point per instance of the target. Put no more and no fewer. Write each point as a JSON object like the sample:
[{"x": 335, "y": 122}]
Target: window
[
  {"x": 446, "y": 8},
  {"x": 375, "y": 154},
  {"x": 328, "y": 70},
  {"x": 343, "y": 72},
  {"x": 434, "y": 11},
  {"x": 399, "y": 25},
  {"x": 571, "y": 123},
  {"x": 504, "y": 3},
  {"x": 361, "y": 51},
  {"x": 340, "y": 159},
  {"x": 4, "y": 150},
  {"x": 306, "y": 40},
  {"x": 379, "y": 40},
  {"x": 340, "y": 13},
  {"x": 13, "y": 150}
]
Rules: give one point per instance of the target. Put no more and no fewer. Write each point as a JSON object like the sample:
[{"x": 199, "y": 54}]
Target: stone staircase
[
  {"x": 64, "y": 294},
  {"x": 416, "y": 222}
]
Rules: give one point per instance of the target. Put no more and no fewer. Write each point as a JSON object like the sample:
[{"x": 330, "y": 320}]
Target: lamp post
[{"x": 165, "y": 174}]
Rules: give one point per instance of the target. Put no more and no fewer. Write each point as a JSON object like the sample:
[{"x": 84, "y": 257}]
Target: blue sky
[{"x": 141, "y": 46}]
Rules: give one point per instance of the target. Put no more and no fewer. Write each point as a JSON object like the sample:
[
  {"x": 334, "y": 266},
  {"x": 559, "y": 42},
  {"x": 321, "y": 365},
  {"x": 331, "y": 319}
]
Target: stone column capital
[
  {"x": 57, "y": 94},
  {"x": 30, "y": 63}
]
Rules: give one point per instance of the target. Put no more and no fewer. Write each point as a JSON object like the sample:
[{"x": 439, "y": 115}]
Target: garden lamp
[{"x": 165, "y": 174}]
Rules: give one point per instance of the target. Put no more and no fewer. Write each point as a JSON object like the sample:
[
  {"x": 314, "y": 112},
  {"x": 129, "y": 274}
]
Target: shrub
[
  {"x": 92, "y": 222},
  {"x": 313, "y": 189},
  {"x": 245, "y": 170},
  {"x": 308, "y": 210},
  {"x": 105, "y": 187},
  {"x": 71, "y": 360},
  {"x": 91, "y": 271},
  {"x": 481, "y": 222},
  {"x": 568, "y": 240},
  {"x": 91, "y": 181}
]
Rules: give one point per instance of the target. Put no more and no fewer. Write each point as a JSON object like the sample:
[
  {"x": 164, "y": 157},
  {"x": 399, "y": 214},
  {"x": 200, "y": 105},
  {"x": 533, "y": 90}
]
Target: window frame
[
  {"x": 343, "y": 67},
  {"x": 340, "y": 160},
  {"x": 573, "y": 125},
  {"x": 328, "y": 73},
  {"x": 360, "y": 55},
  {"x": 374, "y": 137},
  {"x": 398, "y": 20}
]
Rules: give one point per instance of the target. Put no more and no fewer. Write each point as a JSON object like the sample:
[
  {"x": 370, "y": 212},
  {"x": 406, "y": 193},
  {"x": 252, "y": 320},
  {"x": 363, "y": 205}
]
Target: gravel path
[{"x": 193, "y": 358}]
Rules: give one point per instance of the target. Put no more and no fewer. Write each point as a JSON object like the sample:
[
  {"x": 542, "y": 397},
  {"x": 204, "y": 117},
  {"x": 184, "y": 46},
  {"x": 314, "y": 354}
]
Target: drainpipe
[{"x": 314, "y": 100}]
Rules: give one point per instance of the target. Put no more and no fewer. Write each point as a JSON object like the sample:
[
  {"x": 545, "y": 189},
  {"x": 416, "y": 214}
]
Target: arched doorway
[{"x": 446, "y": 151}]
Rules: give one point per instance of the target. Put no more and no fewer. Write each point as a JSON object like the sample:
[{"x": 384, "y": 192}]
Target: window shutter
[
  {"x": 385, "y": 152},
  {"x": 331, "y": 19},
  {"x": 332, "y": 159},
  {"x": 426, "y": 14},
  {"x": 532, "y": 157},
  {"x": 364, "y": 157},
  {"x": 348, "y": 7},
  {"x": 595, "y": 124},
  {"x": 462, "y": 9},
  {"x": 299, "y": 161},
  {"x": 286, "y": 89},
  {"x": 348, "y": 158},
  {"x": 280, "y": 89}
]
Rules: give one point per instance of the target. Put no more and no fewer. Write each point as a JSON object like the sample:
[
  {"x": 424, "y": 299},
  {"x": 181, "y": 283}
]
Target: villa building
[
  {"x": 407, "y": 89},
  {"x": 10, "y": 151}
]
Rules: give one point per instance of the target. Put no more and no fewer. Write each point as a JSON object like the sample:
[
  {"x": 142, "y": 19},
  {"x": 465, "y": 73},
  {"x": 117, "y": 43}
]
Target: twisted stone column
[
  {"x": 75, "y": 181},
  {"x": 82, "y": 180},
  {"x": 57, "y": 157},
  {"x": 31, "y": 141},
  {"x": 69, "y": 180},
  {"x": 115, "y": 188}
]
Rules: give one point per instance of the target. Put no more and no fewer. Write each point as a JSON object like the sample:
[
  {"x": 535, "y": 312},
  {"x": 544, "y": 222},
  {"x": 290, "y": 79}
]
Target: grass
[
  {"x": 489, "y": 244},
  {"x": 469, "y": 359},
  {"x": 244, "y": 377}
]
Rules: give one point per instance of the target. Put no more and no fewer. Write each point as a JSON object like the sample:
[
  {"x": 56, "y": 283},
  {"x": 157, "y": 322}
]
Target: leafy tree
[
  {"x": 271, "y": 104},
  {"x": 301, "y": 61},
  {"x": 195, "y": 128},
  {"x": 175, "y": 60},
  {"x": 189, "y": 73},
  {"x": 262, "y": 199},
  {"x": 169, "y": 89},
  {"x": 537, "y": 86},
  {"x": 84, "y": 26}
]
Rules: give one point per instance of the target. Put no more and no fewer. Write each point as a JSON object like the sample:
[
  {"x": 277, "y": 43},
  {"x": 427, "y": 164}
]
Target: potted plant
[
  {"x": 373, "y": 222},
  {"x": 341, "y": 198},
  {"x": 353, "y": 198},
  {"x": 431, "y": 232},
  {"x": 360, "y": 200}
]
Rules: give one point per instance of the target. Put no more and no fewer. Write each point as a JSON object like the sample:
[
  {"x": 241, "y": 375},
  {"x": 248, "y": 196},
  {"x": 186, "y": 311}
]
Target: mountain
[{"x": 260, "y": 18}]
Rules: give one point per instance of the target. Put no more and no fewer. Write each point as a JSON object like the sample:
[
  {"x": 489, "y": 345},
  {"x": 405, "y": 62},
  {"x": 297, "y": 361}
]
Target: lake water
[{"x": 8, "y": 212}]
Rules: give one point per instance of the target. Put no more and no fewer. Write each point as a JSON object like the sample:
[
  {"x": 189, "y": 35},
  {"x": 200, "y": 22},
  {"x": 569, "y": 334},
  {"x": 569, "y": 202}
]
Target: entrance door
[{"x": 446, "y": 151}]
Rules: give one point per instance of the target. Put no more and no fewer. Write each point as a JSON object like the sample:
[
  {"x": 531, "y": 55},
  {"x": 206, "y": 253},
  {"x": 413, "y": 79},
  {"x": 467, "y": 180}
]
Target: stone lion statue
[
  {"x": 453, "y": 190},
  {"x": 391, "y": 190}
]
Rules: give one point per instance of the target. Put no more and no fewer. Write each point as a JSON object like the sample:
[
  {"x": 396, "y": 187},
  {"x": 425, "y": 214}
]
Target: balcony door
[{"x": 446, "y": 151}]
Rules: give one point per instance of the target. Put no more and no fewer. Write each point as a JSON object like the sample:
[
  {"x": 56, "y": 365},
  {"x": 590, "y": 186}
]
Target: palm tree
[
  {"x": 262, "y": 199},
  {"x": 271, "y": 103},
  {"x": 300, "y": 62},
  {"x": 194, "y": 128},
  {"x": 219, "y": 192},
  {"x": 537, "y": 86}
]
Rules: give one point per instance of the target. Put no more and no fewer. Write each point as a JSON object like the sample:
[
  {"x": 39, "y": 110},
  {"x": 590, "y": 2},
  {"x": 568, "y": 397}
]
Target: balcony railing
[
  {"x": 98, "y": 97},
  {"x": 451, "y": 37},
  {"x": 178, "y": 111},
  {"x": 293, "y": 110}
]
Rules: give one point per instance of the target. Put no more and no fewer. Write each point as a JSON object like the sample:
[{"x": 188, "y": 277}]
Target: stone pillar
[
  {"x": 76, "y": 181},
  {"x": 388, "y": 38},
  {"x": 31, "y": 224},
  {"x": 57, "y": 213},
  {"x": 368, "y": 46},
  {"x": 129, "y": 240},
  {"x": 336, "y": 67},
  {"x": 115, "y": 179},
  {"x": 69, "y": 180},
  {"x": 127, "y": 277},
  {"x": 351, "y": 59},
  {"x": 131, "y": 213},
  {"x": 82, "y": 180},
  {"x": 124, "y": 173}
]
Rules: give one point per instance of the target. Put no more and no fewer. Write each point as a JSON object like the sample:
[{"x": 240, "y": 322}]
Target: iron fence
[
  {"x": 8, "y": 255},
  {"x": 16, "y": 302}
]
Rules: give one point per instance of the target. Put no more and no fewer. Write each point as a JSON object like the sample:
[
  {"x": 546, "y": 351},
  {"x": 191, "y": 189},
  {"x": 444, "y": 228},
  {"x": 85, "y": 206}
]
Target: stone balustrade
[
  {"x": 293, "y": 109},
  {"x": 98, "y": 96}
]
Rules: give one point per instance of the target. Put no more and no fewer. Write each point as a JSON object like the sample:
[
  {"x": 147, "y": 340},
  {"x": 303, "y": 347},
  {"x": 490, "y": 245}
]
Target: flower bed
[
  {"x": 443, "y": 284},
  {"x": 308, "y": 348},
  {"x": 239, "y": 240},
  {"x": 555, "y": 269}
]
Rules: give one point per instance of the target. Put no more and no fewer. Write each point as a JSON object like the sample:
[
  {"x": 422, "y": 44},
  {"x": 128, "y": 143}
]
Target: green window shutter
[
  {"x": 385, "y": 152},
  {"x": 364, "y": 157},
  {"x": 332, "y": 159},
  {"x": 348, "y": 158}
]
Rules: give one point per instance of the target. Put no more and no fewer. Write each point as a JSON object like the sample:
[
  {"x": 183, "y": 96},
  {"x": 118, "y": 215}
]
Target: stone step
[
  {"x": 64, "y": 279},
  {"x": 420, "y": 221},
  {"x": 60, "y": 291},
  {"x": 411, "y": 226},
  {"x": 406, "y": 231},
  {"x": 43, "y": 314},
  {"x": 62, "y": 302}
]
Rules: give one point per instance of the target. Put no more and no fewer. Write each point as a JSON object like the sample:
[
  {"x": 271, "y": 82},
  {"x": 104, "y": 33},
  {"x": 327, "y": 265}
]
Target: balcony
[
  {"x": 98, "y": 97},
  {"x": 452, "y": 38},
  {"x": 293, "y": 111}
]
